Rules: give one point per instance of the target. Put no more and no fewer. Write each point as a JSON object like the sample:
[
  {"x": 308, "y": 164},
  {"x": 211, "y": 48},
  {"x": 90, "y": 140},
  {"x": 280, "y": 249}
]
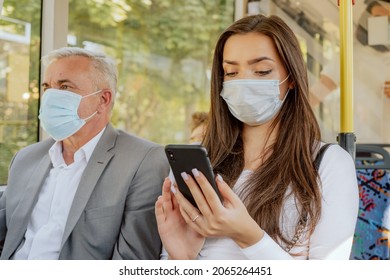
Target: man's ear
[{"x": 105, "y": 99}]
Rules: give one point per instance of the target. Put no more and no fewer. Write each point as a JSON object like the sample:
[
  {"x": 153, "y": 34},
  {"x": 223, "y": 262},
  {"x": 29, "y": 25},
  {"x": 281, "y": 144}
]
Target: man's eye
[{"x": 64, "y": 87}]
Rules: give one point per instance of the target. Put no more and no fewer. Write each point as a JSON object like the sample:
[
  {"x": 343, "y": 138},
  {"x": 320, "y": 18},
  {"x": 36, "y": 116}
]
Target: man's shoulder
[
  {"x": 41, "y": 146},
  {"x": 132, "y": 139},
  {"x": 137, "y": 149}
]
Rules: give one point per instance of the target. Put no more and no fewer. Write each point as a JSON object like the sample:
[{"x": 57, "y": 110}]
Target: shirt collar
[{"x": 85, "y": 152}]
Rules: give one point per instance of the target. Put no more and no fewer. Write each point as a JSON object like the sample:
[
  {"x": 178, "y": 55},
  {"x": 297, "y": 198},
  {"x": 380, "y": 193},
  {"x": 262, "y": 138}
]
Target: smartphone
[{"x": 184, "y": 158}]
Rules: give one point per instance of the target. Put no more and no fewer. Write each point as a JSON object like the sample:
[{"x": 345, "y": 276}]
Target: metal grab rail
[{"x": 346, "y": 137}]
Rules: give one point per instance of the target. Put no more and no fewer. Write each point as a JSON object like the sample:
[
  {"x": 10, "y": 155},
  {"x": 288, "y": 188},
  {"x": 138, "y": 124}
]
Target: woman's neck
[{"x": 255, "y": 141}]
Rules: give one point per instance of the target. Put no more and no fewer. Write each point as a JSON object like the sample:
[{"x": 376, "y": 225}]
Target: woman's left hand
[{"x": 217, "y": 219}]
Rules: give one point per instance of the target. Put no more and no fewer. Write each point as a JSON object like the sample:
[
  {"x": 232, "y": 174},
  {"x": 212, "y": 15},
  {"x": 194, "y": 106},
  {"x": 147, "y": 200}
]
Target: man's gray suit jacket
[{"x": 112, "y": 214}]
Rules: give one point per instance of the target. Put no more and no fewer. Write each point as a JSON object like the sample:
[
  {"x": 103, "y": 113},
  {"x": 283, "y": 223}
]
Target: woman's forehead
[{"x": 249, "y": 47}]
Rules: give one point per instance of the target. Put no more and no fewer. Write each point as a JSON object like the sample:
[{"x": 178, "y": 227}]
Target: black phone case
[{"x": 184, "y": 158}]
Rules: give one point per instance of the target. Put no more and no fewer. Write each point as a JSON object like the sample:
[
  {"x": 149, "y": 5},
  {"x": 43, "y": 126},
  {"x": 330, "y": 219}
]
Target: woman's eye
[
  {"x": 263, "y": 73},
  {"x": 230, "y": 74}
]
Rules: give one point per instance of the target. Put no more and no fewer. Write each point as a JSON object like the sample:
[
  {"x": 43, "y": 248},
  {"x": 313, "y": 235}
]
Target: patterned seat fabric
[{"x": 371, "y": 239}]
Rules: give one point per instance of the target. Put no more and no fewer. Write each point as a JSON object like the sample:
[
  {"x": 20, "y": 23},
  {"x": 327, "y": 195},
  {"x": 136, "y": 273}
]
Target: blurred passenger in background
[
  {"x": 371, "y": 86},
  {"x": 198, "y": 126}
]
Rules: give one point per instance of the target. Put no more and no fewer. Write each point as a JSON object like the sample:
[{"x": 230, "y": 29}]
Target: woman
[{"x": 262, "y": 139}]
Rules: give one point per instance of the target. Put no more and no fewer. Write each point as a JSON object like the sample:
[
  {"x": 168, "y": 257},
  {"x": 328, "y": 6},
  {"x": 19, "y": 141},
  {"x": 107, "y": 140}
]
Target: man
[{"x": 89, "y": 191}]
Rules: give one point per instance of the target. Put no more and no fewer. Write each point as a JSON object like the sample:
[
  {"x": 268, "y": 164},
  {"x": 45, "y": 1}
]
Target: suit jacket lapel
[
  {"x": 96, "y": 165},
  {"x": 19, "y": 220}
]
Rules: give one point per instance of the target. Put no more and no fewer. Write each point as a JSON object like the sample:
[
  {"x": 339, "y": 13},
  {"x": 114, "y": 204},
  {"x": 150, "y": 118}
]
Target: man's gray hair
[{"x": 105, "y": 67}]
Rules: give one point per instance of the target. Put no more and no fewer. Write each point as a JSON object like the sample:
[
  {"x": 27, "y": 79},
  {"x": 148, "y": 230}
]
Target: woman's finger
[
  {"x": 193, "y": 219},
  {"x": 175, "y": 203},
  {"x": 228, "y": 195},
  {"x": 166, "y": 195},
  {"x": 197, "y": 193},
  {"x": 187, "y": 209},
  {"x": 213, "y": 201},
  {"x": 159, "y": 210}
]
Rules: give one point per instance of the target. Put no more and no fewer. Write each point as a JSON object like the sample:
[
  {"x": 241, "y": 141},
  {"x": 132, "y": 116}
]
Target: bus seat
[{"x": 371, "y": 238}]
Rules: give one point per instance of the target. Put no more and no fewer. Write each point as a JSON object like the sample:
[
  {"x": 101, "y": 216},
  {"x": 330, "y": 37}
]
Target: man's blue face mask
[{"x": 58, "y": 113}]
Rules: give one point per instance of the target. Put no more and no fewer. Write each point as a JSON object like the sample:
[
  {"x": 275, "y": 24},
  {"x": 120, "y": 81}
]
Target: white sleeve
[
  {"x": 333, "y": 236},
  {"x": 164, "y": 254},
  {"x": 266, "y": 249}
]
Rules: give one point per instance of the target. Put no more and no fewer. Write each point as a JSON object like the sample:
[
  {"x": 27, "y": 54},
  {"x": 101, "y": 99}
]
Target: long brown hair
[{"x": 291, "y": 155}]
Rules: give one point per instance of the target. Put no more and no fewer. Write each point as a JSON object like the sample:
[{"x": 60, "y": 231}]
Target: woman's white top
[{"x": 333, "y": 236}]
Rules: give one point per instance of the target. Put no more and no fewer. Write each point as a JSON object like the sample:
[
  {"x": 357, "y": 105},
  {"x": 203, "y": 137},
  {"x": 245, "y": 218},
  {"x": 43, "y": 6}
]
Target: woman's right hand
[{"x": 179, "y": 240}]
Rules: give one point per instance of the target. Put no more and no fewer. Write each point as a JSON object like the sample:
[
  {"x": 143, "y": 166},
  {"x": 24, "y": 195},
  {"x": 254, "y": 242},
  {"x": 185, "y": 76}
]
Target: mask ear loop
[
  {"x": 288, "y": 90},
  {"x": 93, "y": 93},
  {"x": 284, "y": 79},
  {"x": 91, "y": 116},
  {"x": 285, "y": 96}
]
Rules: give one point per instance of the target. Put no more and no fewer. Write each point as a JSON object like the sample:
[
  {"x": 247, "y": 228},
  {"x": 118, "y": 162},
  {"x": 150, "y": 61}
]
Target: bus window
[
  {"x": 20, "y": 26},
  {"x": 164, "y": 49}
]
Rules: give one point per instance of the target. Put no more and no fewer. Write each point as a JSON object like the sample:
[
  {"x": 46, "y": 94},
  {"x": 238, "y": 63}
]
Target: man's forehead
[
  {"x": 73, "y": 62},
  {"x": 66, "y": 69}
]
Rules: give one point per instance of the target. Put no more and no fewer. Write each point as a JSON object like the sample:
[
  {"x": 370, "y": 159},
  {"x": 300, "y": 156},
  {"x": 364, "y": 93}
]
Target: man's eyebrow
[
  {"x": 250, "y": 62},
  {"x": 64, "y": 81},
  {"x": 59, "y": 82}
]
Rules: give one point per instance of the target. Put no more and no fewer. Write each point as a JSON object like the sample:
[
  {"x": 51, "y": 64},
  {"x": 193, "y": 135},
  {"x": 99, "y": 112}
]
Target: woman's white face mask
[{"x": 253, "y": 102}]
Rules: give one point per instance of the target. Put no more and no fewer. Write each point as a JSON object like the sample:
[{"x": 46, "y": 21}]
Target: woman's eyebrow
[
  {"x": 230, "y": 62},
  {"x": 258, "y": 59},
  {"x": 250, "y": 62}
]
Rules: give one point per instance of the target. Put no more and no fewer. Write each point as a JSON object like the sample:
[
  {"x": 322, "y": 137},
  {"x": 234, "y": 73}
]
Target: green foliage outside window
[
  {"x": 19, "y": 62},
  {"x": 163, "y": 49}
]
